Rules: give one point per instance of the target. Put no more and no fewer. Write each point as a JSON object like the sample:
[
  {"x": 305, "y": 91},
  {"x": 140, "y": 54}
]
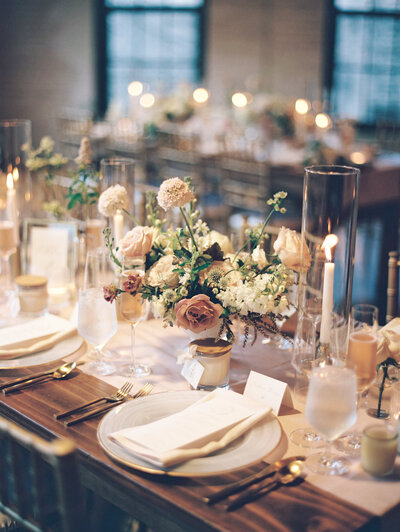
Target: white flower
[
  {"x": 259, "y": 257},
  {"x": 46, "y": 144},
  {"x": 57, "y": 160},
  {"x": 113, "y": 199},
  {"x": 85, "y": 153},
  {"x": 161, "y": 274},
  {"x": 174, "y": 193},
  {"x": 289, "y": 247}
]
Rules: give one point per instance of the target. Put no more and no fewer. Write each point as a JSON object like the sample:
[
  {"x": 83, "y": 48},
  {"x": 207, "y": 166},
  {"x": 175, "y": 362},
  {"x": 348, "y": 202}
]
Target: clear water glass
[
  {"x": 331, "y": 409},
  {"x": 97, "y": 318}
]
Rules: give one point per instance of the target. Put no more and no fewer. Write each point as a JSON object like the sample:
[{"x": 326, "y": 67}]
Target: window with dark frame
[
  {"x": 365, "y": 84},
  {"x": 157, "y": 42}
]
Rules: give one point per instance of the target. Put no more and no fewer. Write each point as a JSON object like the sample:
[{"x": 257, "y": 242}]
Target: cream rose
[
  {"x": 161, "y": 273},
  {"x": 288, "y": 247},
  {"x": 137, "y": 242},
  {"x": 198, "y": 313},
  {"x": 224, "y": 243}
]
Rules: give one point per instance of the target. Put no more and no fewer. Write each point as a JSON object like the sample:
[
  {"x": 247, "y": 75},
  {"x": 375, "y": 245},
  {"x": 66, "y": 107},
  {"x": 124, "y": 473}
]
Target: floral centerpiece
[{"x": 194, "y": 279}]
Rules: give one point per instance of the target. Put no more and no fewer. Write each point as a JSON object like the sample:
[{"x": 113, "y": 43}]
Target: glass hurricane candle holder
[
  {"x": 330, "y": 201},
  {"x": 15, "y": 178}
]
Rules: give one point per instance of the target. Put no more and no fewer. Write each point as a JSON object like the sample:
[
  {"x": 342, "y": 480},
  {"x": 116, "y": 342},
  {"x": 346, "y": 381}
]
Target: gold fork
[
  {"x": 116, "y": 397},
  {"x": 145, "y": 390}
]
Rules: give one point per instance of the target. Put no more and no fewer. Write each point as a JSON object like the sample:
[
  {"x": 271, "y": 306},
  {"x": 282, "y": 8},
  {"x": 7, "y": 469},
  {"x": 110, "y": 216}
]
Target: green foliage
[{"x": 85, "y": 187}]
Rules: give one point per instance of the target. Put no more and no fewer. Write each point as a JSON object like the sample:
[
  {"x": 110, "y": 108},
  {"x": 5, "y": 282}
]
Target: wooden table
[{"x": 171, "y": 504}]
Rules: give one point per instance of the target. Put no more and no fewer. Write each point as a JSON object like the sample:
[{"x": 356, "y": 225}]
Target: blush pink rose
[
  {"x": 197, "y": 314},
  {"x": 137, "y": 242}
]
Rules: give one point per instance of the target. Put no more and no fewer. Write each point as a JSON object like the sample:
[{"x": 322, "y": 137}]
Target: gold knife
[{"x": 244, "y": 482}]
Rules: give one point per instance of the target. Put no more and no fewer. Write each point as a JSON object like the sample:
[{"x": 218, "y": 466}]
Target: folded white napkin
[
  {"x": 34, "y": 336},
  {"x": 389, "y": 341},
  {"x": 204, "y": 427}
]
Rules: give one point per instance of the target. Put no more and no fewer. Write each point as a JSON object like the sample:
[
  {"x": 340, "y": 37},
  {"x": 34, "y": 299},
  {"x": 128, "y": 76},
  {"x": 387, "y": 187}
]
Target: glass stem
[
  {"x": 98, "y": 352},
  {"x": 6, "y": 272},
  {"x": 133, "y": 356}
]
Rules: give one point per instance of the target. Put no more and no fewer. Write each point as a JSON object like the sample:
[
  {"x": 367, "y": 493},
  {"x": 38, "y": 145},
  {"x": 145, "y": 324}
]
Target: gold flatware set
[{"x": 119, "y": 396}]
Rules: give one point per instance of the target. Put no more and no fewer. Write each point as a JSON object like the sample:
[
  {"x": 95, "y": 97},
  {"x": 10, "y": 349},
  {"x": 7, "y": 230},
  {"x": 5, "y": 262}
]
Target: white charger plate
[
  {"x": 65, "y": 347},
  {"x": 249, "y": 449}
]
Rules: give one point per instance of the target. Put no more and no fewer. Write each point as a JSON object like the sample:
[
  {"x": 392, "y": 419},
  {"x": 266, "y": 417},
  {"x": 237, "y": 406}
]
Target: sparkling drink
[
  {"x": 331, "y": 400},
  {"x": 362, "y": 354},
  {"x": 97, "y": 320},
  {"x": 7, "y": 237},
  {"x": 131, "y": 307}
]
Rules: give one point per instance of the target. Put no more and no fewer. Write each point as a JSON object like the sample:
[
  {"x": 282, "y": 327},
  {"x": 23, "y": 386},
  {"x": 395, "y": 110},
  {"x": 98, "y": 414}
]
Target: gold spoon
[
  {"x": 286, "y": 475},
  {"x": 59, "y": 373}
]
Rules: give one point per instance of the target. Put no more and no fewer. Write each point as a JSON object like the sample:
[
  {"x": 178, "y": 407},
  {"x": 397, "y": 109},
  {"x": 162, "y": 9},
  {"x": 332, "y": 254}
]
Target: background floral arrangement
[{"x": 193, "y": 278}]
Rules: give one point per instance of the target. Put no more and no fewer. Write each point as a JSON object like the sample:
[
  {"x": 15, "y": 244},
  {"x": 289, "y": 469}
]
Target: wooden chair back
[
  {"x": 392, "y": 305},
  {"x": 39, "y": 483}
]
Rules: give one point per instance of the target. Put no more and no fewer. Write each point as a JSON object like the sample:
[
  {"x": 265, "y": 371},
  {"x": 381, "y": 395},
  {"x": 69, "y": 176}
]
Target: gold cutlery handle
[
  {"x": 67, "y": 413},
  {"x": 25, "y": 384},
  {"x": 249, "y": 494},
  {"x": 24, "y": 379},
  {"x": 90, "y": 415}
]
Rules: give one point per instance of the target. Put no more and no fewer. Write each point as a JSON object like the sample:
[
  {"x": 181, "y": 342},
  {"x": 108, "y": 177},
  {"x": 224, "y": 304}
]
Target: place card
[
  {"x": 268, "y": 391},
  {"x": 192, "y": 371}
]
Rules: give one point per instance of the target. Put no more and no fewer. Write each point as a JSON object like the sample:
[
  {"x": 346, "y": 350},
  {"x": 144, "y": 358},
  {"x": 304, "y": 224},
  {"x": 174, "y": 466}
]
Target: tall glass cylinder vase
[
  {"x": 15, "y": 138},
  {"x": 118, "y": 171},
  {"x": 330, "y": 201}
]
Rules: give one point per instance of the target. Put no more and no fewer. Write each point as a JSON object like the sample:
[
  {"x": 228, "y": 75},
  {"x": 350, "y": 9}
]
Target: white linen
[
  {"x": 34, "y": 335},
  {"x": 204, "y": 427}
]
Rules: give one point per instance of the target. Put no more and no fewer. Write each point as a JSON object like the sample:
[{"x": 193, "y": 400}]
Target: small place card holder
[
  {"x": 267, "y": 390},
  {"x": 50, "y": 248}
]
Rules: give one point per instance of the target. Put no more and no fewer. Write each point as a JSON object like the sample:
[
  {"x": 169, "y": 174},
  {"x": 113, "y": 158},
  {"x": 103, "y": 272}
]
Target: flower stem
[
  {"x": 134, "y": 220},
  {"x": 189, "y": 227},
  {"x": 258, "y": 239}
]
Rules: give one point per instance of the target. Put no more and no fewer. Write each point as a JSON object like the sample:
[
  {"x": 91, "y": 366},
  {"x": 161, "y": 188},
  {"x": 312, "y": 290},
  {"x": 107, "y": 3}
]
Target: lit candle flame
[
  {"x": 15, "y": 174},
  {"x": 329, "y": 243},
  {"x": 10, "y": 181}
]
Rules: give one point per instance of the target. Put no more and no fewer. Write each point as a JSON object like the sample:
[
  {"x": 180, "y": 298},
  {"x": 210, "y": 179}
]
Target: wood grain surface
[{"x": 166, "y": 503}]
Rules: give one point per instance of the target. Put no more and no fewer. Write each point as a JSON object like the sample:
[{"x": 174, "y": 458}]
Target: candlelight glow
[
  {"x": 10, "y": 181},
  {"x": 147, "y": 100},
  {"x": 322, "y": 120},
  {"x": 329, "y": 243},
  {"x": 135, "y": 88},
  {"x": 200, "y": 95},
  {"x": 239, "y": 99},
  {"x": 358, "y": 157},
  {"x": 15, "y": 174},
  {"x": 302, "y": 106}
]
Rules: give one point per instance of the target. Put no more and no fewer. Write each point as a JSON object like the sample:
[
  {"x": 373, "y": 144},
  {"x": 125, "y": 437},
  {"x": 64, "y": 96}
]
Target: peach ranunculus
[
  {"x": 288, "y": 246},
  {"x": 137, "y": 242},
  {"x": 198, "y": 313}
]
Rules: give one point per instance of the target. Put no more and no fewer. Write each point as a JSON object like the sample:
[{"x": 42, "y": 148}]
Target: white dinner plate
[
  {"x": 250, "y": 448},
  {"x": 65, "y": 347}
]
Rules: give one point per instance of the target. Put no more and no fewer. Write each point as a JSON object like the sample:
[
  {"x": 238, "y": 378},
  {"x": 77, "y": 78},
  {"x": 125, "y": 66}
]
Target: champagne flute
[
  {"x": 8, "y": 244},
  {"x": 361, "y": 355},
  {"x": 97, "y": 318},
  {"x": 134, "y": 309},
  {"x": 331, "y": 409}
]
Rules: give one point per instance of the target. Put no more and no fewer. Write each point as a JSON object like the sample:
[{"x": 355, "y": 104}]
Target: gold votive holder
[
  {"x": 32, "y": 293},
  {"x": 215, "y": 357},
  {"x": 379, "y": 449}
]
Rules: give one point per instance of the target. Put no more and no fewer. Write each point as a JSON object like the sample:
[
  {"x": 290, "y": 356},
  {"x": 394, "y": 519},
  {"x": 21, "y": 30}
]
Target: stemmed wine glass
[
  {"x": 134, "y": 309},
  {"x": 97, "y": 318},
  {"x": 8, "y": 246},
  {"x": 361, "y": 356},
  {"x": 331, "y": 409}
]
